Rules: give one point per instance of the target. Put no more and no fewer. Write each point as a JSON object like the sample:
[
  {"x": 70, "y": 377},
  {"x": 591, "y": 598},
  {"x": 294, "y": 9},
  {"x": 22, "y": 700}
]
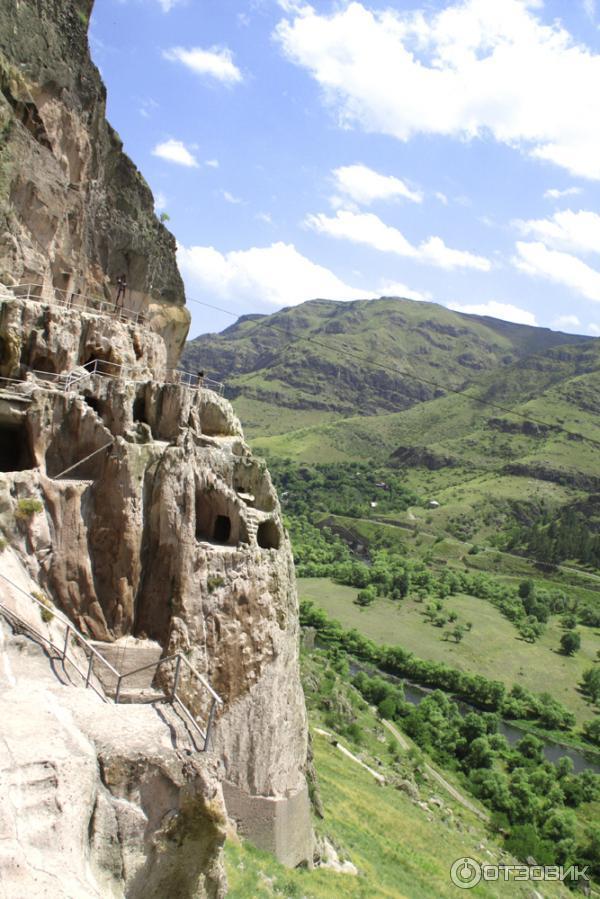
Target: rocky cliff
[
  {"x": 130, "y": 499},
  {"x": 75, "y": 213}
]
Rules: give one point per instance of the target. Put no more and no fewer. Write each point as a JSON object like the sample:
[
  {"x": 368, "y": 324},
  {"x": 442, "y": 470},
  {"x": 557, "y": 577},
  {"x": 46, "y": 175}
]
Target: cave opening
[
  {"x": 222, "y": 529},
  {"x": 104, "y": 366},
  {"x": 44, "y": 364},
  {"x": 267, "y": 535},
  {"x": 139, "y": 410},
  {"x": 15, "y": 450},
  {"x": 218, "y": 520}
]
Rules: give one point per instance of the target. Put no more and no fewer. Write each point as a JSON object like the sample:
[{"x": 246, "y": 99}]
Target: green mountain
[
  {"x": 324, "y": 360},
  {"x": 377, "y": 381}
]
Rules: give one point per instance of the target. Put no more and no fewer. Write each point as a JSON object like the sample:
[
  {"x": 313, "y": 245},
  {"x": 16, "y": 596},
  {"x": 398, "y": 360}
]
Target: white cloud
[
  {"x": 364, "y": 185},
  {"x": 265, "y": 217},
  {"x": 536, "y": 259},
  {"x": 589, "y": 8},
  {"x": 505, "y": 311},
  {"x": 368, "y": 229},
  {"x": 175, "y": 151},
  {"x": 277, "y": 274},
  {"x": 577, "y": 231},
  {"x": 472, "y": 69},
  {"x": 212, "y": 163},
  {"x": 167, "y": 5},
  {"x": 231, "y": 198},
  {"x": 441, "y": 197},
  {"x": 566, "y": 322},
  {"x": 553, "y": 193},
  {"x": 160, "y": 201},
  {"x": 397, "y": 289},
  {"x": 215, "y": 63},
  {"x": 594, "y": 329}
]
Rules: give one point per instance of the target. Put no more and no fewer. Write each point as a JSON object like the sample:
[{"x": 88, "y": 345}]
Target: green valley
[{"x": 440, "y": 481}]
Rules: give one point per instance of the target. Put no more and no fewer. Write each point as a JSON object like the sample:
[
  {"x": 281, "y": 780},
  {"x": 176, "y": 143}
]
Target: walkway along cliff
[{"x": 128, "y": 496}]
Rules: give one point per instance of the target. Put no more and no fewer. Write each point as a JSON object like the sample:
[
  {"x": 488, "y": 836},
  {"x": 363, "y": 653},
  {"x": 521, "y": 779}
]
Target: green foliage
[
  {"x": 366, "y": 597},
  {"x": 475, "y": 689},
  {"x": 165, "y": 217},
  {"x": 341, "y": 489},
  {"x": 591, "y": 731},
  {"x": 26, "y": 508},
  {"x": 213, "y": 583},
  {"x": 590, "y": 684},
  {"x": 47, "y": 612},
  {"x": 570, "y": 642}
]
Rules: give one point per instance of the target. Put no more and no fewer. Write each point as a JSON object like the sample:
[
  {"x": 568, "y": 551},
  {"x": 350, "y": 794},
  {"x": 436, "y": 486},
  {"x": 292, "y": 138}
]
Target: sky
[{"x": 446, "y": 150}]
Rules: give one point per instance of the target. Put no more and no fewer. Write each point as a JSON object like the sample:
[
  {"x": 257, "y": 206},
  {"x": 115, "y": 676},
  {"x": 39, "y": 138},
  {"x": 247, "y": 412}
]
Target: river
[{"x": 553, "y": 751}]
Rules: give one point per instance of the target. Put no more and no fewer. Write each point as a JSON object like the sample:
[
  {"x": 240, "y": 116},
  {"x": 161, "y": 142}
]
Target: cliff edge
[
  {"x": 129, "y": 498},
  {"x": 75, "y": 213}
]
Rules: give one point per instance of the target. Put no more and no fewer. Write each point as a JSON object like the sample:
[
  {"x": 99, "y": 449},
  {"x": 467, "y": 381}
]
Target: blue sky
[{"x": 437, "y": 150}]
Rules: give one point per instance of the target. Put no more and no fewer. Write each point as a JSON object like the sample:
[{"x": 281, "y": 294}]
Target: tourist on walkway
[{"x": 121, "y": 288}]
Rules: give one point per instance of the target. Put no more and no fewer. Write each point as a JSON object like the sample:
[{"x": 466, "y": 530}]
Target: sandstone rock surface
[
  {"x": 165, "y": 528},
  {"x": 130, "y": 499},
  {"x": 75, "y": 213}
]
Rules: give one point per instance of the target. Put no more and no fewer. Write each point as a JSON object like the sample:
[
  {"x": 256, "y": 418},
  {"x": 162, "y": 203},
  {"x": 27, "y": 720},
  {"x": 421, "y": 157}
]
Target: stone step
[
  {"x": 131, "y": 697},
  {"x": 125, "y": 656}
]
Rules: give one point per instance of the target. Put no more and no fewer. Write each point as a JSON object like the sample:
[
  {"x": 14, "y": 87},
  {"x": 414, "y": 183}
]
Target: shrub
[
  {"x": 213, "y": 583},
  {"x": 26, "y": 508},
  {"x": 47, "y": 613},
  {"x": 570, "y": 643}
]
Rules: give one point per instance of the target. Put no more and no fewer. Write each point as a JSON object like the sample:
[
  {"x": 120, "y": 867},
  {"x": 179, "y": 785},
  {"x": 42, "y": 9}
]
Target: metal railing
[
  {"x": 73, "y": 636},
  {"x": 67, "y": 299},
  {"x": 178, "y": 659},
  {"x": 67, "y": 381}
]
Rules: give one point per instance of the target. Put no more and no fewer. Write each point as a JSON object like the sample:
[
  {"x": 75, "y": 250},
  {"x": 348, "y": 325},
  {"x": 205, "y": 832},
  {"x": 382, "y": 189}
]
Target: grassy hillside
[
  {"x": 480, "y": 462},
  {"x": 312, "y": 358},
  {"x": 493, "y": 648},
  {"x": 402, "y": 845}
]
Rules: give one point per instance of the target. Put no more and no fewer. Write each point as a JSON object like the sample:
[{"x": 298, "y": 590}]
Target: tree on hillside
[
  {"x": 590, "y": 683},
  {"x": 366, "y": 597},
  {"x": 591, "y": 731},
  {"x": 458, "y": 632},
  {"x": 570, "y": 642}
]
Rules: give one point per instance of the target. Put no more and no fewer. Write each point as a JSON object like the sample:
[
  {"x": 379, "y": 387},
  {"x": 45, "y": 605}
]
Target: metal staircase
[{"x": 122, "y": 686}]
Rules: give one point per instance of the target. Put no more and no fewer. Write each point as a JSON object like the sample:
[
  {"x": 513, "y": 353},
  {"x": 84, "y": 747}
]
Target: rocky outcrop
[
  {"x": 97, "y": 801},
  {"x": 139, "y": 509},
  {"x": 130, "y": 498},
  {"x": 75, "y": 213}
]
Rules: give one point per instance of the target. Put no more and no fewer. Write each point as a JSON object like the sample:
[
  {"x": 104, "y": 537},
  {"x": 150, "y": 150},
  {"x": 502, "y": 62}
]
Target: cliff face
[
  {"x": 156, "y": 521},
  {"x": 75, "y": 213},
  {"x": 128, "y": 494}
]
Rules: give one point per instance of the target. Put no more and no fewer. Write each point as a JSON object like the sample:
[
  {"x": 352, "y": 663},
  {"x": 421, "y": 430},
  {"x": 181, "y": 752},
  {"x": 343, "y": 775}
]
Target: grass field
[
  {"x": 493, "y": 648},
  {"x": 398, "y": 850}
]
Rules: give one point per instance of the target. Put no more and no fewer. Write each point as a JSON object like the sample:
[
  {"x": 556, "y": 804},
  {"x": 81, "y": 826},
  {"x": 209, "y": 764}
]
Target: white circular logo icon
[{"x": 465, "y": 873}]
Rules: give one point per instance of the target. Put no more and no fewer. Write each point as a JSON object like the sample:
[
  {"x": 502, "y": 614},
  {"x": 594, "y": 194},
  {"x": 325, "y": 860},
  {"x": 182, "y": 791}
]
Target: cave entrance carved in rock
[
  {"x": 218, "y": 519},
  {"x": 15, "y": 449}
]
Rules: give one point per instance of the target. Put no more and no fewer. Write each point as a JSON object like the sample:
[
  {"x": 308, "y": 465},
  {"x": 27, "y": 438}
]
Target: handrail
[
  {"x": 68, "y": 299},
  {"x": 65, "y": 657},
  {"x": 81, "y": 461},
  {"x": 178, "y": 658},
  {"x": 71, "y": 630}
]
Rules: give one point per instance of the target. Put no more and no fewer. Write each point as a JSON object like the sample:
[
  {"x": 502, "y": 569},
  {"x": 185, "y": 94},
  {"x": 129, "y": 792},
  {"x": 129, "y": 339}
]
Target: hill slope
[{"x": 309, "y": 364}]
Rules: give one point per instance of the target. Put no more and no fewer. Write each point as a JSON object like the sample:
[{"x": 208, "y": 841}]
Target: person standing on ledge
[
  {"x": 121, "y": 288},
  {"x": 200, "y": 380}
]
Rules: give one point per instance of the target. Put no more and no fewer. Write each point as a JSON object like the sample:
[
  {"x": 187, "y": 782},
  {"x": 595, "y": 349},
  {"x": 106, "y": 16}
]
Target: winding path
[{"x": 452, "y": 791}]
